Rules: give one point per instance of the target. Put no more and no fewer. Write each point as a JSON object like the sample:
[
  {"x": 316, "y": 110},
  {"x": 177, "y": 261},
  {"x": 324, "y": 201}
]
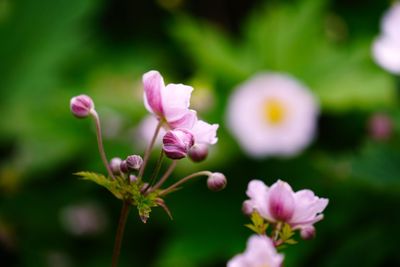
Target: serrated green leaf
[{"x": 114, "y": 186}]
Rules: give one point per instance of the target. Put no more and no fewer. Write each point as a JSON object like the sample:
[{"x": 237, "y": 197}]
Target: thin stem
[
  {"x": 149, "y": 148},
  {"x": 100, "y": 143},
  {"x": 120, "y": 233},
  {"x": 184, "y": 180},
  {"x": 170, "y": 169},
  {"x": 155, "y": 172}
]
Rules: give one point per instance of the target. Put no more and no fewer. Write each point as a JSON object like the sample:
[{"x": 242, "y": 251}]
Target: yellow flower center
[{"x": 274, "y": 112}]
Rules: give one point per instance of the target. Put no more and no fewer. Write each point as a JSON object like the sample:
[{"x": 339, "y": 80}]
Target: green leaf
[{"x": 114, "y": 186}]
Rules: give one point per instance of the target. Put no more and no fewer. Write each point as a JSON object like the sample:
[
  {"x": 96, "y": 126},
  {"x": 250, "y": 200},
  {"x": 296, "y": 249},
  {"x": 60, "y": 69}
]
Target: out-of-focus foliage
[{"x": 53, "y": 50}]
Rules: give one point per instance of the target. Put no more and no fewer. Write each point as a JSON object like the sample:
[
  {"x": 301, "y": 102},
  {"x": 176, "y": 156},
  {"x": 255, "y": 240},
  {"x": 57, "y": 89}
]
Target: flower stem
[
  {"x": 165, "y": 176},
  {"x": 148, "y": 149},
  {"x": 100, "y": 143},
  {"x": 155, "y": 173},
  {"x": 184, "y": 180},
  {"x": 120, "y": 233}
]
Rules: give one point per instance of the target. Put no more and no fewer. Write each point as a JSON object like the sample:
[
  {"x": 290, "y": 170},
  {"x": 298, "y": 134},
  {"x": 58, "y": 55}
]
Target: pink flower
[
  {"x": 272, "y": 114},
  {"x": 279, "y": 203},
  {"x": 168, "y": 103},
  {"x": 260, "y": 252},
  {"x": 204, "y": 135}
]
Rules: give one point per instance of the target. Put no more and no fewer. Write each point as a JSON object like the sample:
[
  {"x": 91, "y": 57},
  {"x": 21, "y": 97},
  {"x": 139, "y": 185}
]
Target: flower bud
[
  {"x": 247, "y": 207},
  {"x": 132, "y": 178},
  {"x": 216, "y": 182},
  {"x": 115, "y": 165},
  {"x": 134, "y": 162},
  {"x": 81, "y": 106},
  {"x": 177, "y": 142},
  {"x": 124, "y": 167},
  {"x": 198, "y": 152},
  {"x": 380, "y": 127},
  {"x": 307, "y": 232}
]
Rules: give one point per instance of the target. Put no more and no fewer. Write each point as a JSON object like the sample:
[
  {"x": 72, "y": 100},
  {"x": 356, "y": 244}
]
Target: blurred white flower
[
  {"x": 272, "y": 114},
  {"x": 386, "y": 47}
]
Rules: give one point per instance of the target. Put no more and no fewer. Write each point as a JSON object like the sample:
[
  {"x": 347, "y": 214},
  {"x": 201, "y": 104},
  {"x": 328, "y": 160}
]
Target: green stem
[
  {"x": 120, "y": 233},
  {"x": 184, "y": 180},
  {"x": 149, "y": 148},
  {"x": 100, "y": 143},
  {"x": 165, "y": 176}
]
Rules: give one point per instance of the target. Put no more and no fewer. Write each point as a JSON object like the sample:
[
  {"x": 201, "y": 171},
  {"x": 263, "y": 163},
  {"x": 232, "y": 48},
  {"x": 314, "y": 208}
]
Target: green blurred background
[{"x": 51, "y": 50}]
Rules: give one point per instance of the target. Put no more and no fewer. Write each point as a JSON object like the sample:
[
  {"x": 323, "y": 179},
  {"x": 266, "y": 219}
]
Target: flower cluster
[
  {"x": 276, "y": 213},
  {"x": 386, "y": 47},
  {"x": 183, "y": 135},
  {"x": 186, "y": 134}
]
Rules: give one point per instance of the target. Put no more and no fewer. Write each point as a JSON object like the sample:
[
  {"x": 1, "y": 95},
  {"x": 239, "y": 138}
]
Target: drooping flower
[
  {"x": 272, "y": 114},
  {"x": 386, "y": 47},
  {"x": 259, "y": 252},
  {"x": 279, "y": 203},
  {"x": 168, "y": 103}
]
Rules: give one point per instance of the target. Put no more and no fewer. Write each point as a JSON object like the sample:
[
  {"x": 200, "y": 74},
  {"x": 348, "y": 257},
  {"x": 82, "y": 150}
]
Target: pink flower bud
[
  {"x": 307, "y": 232},
  {"x": 247, "y": 207},
  {"x": 124, "y": 167},
  {"x": 176, "y": 143},
  {"x": 281, "y": 201},
  {"x": 115, "y": 165},
  {"x": 81, "y": 106},
  {"x": 134, "y": 162},
  {"x": 216, "y": 182},
  {"x": 133, "y": 178},
  {"x": 198, "y": 152}
]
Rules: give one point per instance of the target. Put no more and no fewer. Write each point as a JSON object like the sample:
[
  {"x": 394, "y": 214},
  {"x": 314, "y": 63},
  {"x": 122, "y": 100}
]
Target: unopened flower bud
[
  {"x": 124, "y": 167},
  {"x": 216, "y": 181},
  {"x": 132, "y": 178},
  {"x": 198, "y": 152},
  {"x": 134, "y": 162},
  {"x": 177, "y": 142},
  {"x": 81, "y": 106},
  {"x": 247, "y": 207},
  {"x": 115, "y": 165},
  {"x": 307, "y": 232}
]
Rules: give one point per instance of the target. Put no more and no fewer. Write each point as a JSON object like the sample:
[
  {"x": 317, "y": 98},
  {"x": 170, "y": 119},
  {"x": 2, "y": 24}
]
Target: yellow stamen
[{"x": 273, "y": 111}]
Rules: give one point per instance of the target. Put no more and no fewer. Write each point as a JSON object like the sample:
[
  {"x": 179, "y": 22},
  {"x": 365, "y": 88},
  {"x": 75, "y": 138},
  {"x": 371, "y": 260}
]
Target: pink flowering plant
[
  {"x": 184, "y": 136},
  {"x": 277, "y": 213}
]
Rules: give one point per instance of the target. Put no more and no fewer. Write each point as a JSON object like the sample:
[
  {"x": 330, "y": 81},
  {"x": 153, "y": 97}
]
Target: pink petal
[
  {"x": 187, "y": 120},
  {"x": 175, "y": 101},
  {"x": 281, "y": 201},
  {"x": 308, "y": 207},
  {"x": 258, "y": 193},
  {"x": 153, "y": 84},
  {"x": 205, "y": 133}
]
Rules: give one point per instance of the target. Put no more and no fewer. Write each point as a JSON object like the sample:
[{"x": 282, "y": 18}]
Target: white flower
[
  {"x": 260, "y": 252},
  {"x": 272, "y": 114},
  {"x": 386, "y": 47}
]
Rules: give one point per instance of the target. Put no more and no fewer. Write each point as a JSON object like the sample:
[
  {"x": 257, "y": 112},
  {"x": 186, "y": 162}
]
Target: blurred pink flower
[
  {"x": 386, "y": 47},
  {"x": 272, "y": 114},
  {"x": 260, "y": 252},
  {"x": 169, "y": 103},
  {"x": 279, "y": 203},
  {"x": 380, "y": 126}
]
